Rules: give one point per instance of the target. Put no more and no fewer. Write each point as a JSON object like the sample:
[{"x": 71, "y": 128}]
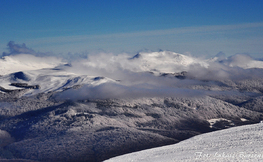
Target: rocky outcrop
[{"x": 25, "y": 85}]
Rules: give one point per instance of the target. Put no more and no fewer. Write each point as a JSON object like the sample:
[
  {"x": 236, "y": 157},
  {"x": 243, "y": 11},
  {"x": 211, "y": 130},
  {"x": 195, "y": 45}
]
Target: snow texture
[{"x": 242, "y": 143}]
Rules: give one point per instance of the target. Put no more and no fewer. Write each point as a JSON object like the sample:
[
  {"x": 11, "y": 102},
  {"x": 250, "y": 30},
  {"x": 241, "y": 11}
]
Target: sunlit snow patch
[{"x": 217, "y": 121}]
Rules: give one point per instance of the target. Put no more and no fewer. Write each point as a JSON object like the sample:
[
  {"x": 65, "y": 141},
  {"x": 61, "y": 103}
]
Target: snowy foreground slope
[
  {"x": 242, "y": 143},
  {"x": 108, "y": 105}
]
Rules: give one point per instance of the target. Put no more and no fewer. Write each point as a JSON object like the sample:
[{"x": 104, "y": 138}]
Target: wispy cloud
[
  {"x": 17, "y": 49},
  {"x": 197, "y": 40},
  {"x": 184, "y": 30},
  {"x": 202, "y": 40}
]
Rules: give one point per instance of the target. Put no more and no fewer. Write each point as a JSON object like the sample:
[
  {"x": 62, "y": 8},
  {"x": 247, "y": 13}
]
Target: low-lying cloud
[
  {"x": 134, "y": 82},
  {"x": 113, "y": 90}
]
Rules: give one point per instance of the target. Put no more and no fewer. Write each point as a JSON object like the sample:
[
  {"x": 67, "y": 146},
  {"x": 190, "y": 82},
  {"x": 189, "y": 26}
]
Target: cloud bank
[{"x": 136, "y": 78}]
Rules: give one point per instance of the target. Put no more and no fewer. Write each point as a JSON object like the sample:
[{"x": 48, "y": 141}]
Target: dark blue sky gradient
[{"x": 37, "y": 19}]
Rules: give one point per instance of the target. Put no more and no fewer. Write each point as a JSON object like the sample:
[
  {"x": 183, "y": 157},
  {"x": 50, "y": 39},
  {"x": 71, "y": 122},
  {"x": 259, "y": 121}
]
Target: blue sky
[{"x": 199, "y": 27}]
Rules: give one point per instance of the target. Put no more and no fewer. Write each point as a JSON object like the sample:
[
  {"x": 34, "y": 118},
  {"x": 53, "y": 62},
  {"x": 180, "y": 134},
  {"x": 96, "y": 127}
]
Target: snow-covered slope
[
  {"x": 47, "y": 73},
  {"x": 242, "y": 143},
  {"x": 25, "y": 62},
  {"x": 49, "y": 80}
]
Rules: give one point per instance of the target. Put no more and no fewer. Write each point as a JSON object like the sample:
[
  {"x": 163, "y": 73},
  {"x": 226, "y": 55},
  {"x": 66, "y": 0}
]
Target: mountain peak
[{"x": 164, "y": 61}]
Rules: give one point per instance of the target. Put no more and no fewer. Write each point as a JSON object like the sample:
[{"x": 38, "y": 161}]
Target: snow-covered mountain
[
  {"x": 46, "y": 73},
  {"x": 52, "y": 74},
  {"x": 165, "y": 62},
  {"x": 48, "y": 80},
  {"x": 107, "y": 105},
  {"x": 25, "y": 62}
]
